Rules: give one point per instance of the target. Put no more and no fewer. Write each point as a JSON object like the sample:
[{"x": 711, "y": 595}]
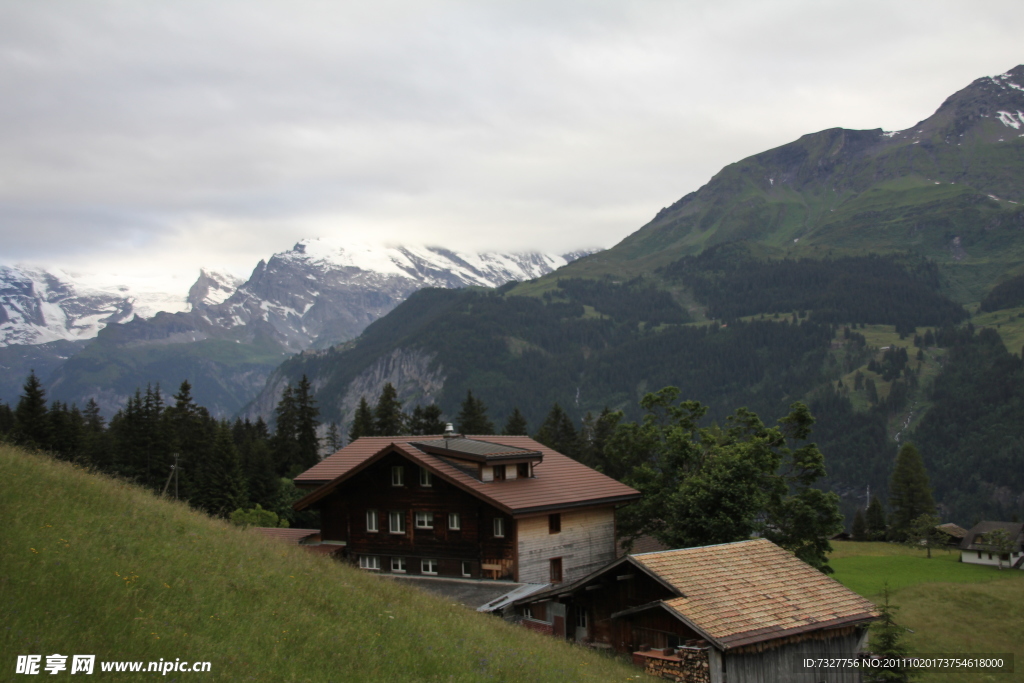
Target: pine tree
[
  {"x": 6, "y": 419},
  {"x": 31, "y": 423},
  {"x": 472, "y": 418},
  {"x": 307, "y": 444},
  {"x": 910, "y": 494},
  {"x": 191, "y": 434},
  {"x": 859, "y": 531},
  {"x": 887, "y": 644},
  {"x": 333, "y": 438},
  {"x": 557, "y": 432},
  {"x": 515, "y": 425},
  {"x": 284, "y": 443},
  {"x": 875, "y": 522},
  {"x": 362, "y": 423},
  {"x": 426, "y": 420},
  {"x": 221, "y": 480},
  {"x": 388, "y": 418}
]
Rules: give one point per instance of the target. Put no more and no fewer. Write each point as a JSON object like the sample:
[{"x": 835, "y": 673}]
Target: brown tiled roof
[
  {"x": 751, "y": 591},
  {"x": 286, "y": 535},
  {"x": 559, "y": 482}
]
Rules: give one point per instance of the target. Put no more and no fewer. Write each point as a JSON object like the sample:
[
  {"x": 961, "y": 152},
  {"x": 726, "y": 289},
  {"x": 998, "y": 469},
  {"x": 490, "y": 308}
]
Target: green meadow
[
  {"x": 93, "y": 565},
  {"x": 948, "y": 607}
]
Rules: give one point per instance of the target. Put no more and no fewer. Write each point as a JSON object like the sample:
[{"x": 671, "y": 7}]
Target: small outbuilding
[{"x": 745, "y": 611}]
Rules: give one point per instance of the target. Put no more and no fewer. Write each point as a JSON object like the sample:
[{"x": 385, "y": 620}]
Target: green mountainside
[
  {"x": 832, "y": 270},
  {"x": 948, "y": 188}
]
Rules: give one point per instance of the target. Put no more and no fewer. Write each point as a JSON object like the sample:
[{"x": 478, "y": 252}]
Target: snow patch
[
  {"x": 890, "y": 133},
  {"x": 1010, "y": 119}
]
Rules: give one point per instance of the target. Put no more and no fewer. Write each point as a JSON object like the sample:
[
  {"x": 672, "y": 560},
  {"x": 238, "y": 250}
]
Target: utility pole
[{"x": 174, "y": 473}]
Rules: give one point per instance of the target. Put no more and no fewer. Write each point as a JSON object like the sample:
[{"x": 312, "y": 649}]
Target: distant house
[
  {"x": 951, "y": 534},
  {"x": 492, "y": 507},
  {"x": 733, "y": 612},
  {"x": 976, "y": 547}
]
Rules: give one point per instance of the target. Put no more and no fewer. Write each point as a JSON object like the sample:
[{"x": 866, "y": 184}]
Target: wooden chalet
[
  {"x": 491, "y": 507},
  {"x": 715, "y": 614}
]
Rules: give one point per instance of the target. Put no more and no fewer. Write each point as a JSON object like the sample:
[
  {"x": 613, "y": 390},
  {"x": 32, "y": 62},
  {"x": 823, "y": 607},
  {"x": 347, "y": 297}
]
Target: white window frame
[
  {"x": 581, "y": 618},
  {"x": 499, "y": 527},
  {"x": 467, "y": 568},
  {"x": 398, "y": 565},
  {"x": 398, "y": 475},
  {"x": 428, "y": 567},
  {"x": 426, "y": 478},
  {"x": 454, "y": 521},
  {"x": 396, "y": 522},
  {"x": 369, "y": 562},
  {"x": 424, "y": 520},
  {"x": 372, "y": 522}
]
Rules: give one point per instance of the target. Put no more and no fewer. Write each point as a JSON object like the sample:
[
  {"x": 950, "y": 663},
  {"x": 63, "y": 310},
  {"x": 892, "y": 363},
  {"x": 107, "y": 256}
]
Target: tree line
[{"x": 176, "y": 446}]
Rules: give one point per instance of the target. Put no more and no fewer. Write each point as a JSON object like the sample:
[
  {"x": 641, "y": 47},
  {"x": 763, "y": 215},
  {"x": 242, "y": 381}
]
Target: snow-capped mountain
[
  {"x": 322, "y": 292},
  {"x": 38, "y": 306}
]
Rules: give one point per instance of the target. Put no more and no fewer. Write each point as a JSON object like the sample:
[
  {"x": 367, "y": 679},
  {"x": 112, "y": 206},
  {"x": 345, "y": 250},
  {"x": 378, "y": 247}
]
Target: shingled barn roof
[
  {"x": 750, "y": 591},
  {"x": 559, "y": 482}
]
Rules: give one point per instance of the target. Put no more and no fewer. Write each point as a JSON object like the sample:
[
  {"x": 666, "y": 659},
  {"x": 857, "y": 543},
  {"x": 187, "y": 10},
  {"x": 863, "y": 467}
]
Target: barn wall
[
  {"x": 776, "y": 664},
  {"x": 585, "y": 543}
]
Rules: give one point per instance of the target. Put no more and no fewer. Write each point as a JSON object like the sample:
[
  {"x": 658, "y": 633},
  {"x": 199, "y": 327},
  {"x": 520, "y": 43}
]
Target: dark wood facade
[{"x": 473, "y": 549}]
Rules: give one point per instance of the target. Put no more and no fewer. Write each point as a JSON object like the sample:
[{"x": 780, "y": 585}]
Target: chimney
[{"x": 449, "y": 430}]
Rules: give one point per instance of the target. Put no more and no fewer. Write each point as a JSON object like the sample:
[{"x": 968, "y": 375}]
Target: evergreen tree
[
  {"x": 362, "y": 423},
  {"x": 31, "y": 423},
  {"x": 872, "y": 390},
  {"x": 515, "y": 425},
  {"x": 333, "y": 438},
  {"x": 910, "y": 494},
  {"x": 426, "y": 420},
  {"x": 6, "y": 419},
  {"x": 284, "y": 443},
  {"x": 262, "y": 483},
  {"x": 859, "y": 531},
  {"x": 887, "y": 644},
  {"x": 388, "y": 418},
  {"x": 876, "y": 525},
  {"x": 472, "y": 418},
  {"x": 307, "y": 444},
  {"x": 221, "y": 481},
  {"x": 557, "y": 432},
  {"x": 190, "y": 434}
]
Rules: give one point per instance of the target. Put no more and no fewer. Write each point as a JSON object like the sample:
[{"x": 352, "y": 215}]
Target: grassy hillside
[
  {"x": 948, "y": 606},
  {"x": 97, "y": 566}
]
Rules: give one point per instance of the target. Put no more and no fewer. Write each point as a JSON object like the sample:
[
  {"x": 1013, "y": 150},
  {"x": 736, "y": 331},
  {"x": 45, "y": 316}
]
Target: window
[
  {"x": 369, "y": 562},
  {"x": 398, "y": 565},
  {"x": 555, "y": 523},
  {"x": 371, "y": 521},
  {"x": 398, "y": 476},
  {"x": 467, "y": 569},
  {"x": 523, "y": 470},
  {"x": 424, "y": 520},
  {"x": 528, "y": 612},
  {"x": 454, "y": 521},
  {"x": 499, "y": 527},
  {"x": 396, "y": 522},
  {"x": 428, "y": 566},
  {"x": 426, "y": 479},
  {"x": 556, "y": 570},
  {"x": 979, "y": 554},
  {"x": 499, "y": 473},
  {"x": 581, "y": 618}
]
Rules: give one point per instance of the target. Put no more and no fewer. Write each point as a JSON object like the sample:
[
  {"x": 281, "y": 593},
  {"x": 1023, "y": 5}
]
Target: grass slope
[
  {"x": 91, "y": 565},
  {"x": 950, "y": 607}
]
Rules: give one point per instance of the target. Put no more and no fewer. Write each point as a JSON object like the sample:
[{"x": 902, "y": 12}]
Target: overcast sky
[{"x": 153, "y": 137}]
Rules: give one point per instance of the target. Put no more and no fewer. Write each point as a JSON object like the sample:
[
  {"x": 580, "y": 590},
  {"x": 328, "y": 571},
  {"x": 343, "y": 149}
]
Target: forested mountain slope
[{"x": 831, "y": 270}]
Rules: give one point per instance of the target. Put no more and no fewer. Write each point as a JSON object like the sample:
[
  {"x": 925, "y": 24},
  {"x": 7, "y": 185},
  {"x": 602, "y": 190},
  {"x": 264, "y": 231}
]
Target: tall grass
[{"x": 92, "y": 565}]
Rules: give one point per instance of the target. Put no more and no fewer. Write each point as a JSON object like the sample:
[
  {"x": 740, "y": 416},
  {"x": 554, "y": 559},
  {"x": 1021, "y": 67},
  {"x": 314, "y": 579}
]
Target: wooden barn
[
  {"x": 490, "y": 507},
  {"x": 726, "y": 613}
]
